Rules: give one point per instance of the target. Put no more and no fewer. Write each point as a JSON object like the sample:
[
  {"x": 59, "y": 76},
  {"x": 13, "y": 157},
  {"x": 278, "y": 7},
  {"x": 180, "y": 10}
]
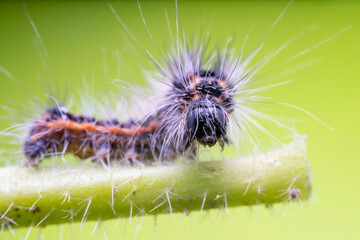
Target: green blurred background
[{"x": 84, "y": 40}]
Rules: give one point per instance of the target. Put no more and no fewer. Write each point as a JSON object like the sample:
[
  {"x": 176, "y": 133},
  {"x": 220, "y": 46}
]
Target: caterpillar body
[{"x": 196, "y": 110}]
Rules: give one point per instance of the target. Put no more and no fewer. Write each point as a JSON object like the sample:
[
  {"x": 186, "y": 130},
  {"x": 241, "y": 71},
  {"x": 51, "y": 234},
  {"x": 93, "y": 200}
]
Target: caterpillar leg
[
  {"x": 222, "y": 141},
  {"x": 103, "y": 154},
  {"x": 34, "y": 151},
  {"x": 103, "y": 151},
  {"x": 132, "y": 158}
]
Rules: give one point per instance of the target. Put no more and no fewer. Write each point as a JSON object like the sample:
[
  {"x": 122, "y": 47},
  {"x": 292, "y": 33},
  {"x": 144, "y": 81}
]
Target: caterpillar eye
[{"x": 206, "y": 124}]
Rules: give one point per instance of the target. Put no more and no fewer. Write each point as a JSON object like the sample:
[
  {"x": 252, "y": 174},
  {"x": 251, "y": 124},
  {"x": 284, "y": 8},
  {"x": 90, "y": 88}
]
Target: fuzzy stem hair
[{"x": 39, "y": 197}]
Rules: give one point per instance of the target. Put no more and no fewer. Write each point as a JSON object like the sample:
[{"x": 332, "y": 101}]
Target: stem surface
[{"x": 39, "y": 197}]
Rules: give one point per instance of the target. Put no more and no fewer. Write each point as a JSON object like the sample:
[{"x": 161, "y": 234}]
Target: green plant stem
[{"x": 39, "y": 197}]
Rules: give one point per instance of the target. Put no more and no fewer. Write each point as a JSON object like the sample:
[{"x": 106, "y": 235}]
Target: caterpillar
[{"x": 196, "y": 110}]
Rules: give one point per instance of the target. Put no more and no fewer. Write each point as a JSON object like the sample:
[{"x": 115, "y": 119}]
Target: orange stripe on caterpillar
[{"x": 91, "y": 127}]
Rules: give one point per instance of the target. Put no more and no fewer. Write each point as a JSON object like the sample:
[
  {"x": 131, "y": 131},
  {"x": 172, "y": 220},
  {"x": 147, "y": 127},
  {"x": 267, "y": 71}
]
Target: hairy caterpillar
[{"x": 196, "y": 110}]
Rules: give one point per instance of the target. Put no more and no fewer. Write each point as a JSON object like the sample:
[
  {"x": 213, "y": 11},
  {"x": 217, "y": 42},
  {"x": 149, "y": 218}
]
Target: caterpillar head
[{"x": 206, "y": 102}]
